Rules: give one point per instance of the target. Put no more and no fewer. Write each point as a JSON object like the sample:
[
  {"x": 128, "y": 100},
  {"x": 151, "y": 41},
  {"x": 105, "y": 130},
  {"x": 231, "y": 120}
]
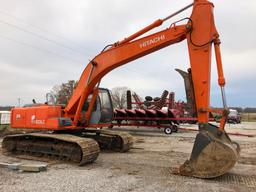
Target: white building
[{"x": 5, "y": 117}]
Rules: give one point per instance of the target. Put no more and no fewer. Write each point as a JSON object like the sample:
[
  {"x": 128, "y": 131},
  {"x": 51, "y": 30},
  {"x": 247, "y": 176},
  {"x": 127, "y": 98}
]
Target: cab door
[{"x": 102, "y": 111}]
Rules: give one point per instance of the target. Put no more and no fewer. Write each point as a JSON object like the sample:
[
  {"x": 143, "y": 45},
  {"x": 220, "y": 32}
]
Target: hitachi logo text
[{"x": 152, "y": 41}]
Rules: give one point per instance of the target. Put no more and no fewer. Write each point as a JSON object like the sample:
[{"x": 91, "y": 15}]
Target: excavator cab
[{"x": 102, "y": 111}]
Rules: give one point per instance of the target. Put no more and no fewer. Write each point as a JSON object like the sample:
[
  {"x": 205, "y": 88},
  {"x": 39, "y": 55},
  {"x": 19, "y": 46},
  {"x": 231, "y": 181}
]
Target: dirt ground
[{"x": 146, "y": 167}]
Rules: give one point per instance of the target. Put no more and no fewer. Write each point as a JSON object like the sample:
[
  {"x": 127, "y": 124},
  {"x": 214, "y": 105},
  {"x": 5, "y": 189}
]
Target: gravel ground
[{"x": 146, "y": 167}]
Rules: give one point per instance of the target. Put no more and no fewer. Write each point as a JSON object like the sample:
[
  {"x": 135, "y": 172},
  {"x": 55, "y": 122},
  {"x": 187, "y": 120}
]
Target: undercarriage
[{"x": 78, "y": 146}]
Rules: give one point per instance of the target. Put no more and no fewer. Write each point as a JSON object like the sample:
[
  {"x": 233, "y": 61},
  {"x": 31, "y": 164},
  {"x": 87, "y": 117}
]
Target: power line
[
  {"x": 38, "y": 48},
  {"x": 40, "y": 36},
  {"x": 41, "y": 29}
]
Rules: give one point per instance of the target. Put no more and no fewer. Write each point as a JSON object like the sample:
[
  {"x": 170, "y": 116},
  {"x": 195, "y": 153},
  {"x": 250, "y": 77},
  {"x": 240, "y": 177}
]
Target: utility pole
[{"x": 19, "y": 99}]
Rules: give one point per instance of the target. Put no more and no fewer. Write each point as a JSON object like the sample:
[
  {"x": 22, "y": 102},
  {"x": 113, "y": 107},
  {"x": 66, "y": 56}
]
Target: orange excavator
[{"x": 72, "y": 132}]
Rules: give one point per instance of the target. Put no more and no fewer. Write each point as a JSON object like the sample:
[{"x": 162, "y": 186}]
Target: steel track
[{"x": 58, "y": 146}]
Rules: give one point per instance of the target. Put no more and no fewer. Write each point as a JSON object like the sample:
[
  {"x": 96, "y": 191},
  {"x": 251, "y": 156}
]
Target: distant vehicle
[{"x": 234, "y": 117}]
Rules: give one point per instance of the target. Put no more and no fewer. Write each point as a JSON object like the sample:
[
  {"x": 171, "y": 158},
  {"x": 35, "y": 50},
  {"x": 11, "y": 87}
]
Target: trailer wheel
[{"x": 168, "y": 130}]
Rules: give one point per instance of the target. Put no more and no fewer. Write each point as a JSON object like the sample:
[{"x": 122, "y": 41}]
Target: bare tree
[
  {"x": 64, "y": 91},
  {"x": 119, "y": 97}
]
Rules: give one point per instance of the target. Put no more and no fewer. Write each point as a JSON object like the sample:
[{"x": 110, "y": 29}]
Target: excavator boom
[{"x": 117, "y": 55}]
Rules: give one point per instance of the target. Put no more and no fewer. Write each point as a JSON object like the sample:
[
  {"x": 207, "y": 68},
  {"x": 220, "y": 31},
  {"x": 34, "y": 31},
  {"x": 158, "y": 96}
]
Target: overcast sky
[{"x": 44, "y": 43}]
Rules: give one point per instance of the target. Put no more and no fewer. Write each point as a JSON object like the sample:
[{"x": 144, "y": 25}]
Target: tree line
[
  {"x": 6, "y": 108},
  {"x": 64, "y": 91}
]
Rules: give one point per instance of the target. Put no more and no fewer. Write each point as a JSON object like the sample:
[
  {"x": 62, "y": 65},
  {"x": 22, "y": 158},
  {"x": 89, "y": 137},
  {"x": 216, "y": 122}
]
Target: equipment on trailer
[
  {"x": 155, "y": 114},
  {"x": 160, "y": 112},
  {"x": 213, "y": 153}
]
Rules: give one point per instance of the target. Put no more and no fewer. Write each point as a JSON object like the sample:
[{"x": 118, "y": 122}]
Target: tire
[
  {"x": 168, "y": 130},
  {"x": 149, "y": 98}
]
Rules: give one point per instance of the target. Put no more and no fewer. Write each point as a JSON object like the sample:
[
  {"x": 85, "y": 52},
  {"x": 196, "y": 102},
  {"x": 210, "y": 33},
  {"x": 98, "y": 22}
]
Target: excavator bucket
[{"x": 213, "y": 154}]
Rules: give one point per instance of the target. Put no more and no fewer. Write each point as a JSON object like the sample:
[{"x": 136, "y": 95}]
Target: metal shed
[{"x": 5, "y": 117}]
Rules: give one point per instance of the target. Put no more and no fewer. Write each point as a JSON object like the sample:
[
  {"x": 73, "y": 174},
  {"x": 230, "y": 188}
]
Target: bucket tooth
[{"x": 213, "y": 154}]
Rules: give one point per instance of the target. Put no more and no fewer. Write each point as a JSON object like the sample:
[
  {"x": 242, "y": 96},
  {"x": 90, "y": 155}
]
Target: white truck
[{"x": 234, "y": 116}]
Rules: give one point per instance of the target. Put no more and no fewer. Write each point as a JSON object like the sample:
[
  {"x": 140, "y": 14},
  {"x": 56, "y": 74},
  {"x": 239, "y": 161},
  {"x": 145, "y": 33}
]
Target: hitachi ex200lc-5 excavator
[{"x": 71, "y": 131}]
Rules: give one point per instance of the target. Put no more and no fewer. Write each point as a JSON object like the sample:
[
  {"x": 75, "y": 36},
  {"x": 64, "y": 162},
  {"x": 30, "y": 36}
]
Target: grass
[
  {"x": 249, "y": 117},
  {"x": 4, "y": 127}
]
